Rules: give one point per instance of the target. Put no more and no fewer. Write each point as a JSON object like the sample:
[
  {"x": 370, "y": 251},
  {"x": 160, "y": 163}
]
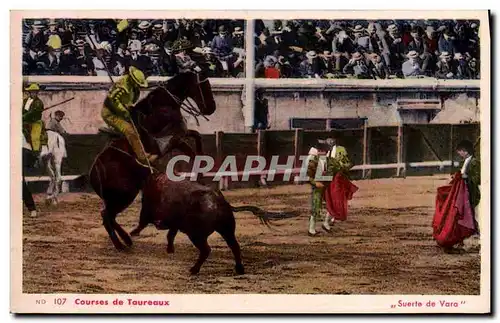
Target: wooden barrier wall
[{"x": 385, "y": 151}]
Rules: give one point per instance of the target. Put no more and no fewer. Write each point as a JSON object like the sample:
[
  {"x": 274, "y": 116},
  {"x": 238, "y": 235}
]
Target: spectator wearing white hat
[
  {"x": 445, "y": 68},
  {"x": 136, "y": 58},
  {"x": 411, "y": 68},
  {"x": 310, "y": 67},
  {"x": 36, "y": 40},
  {"x": 396, "y": 49},
  {"x": 214, "y": 65}
]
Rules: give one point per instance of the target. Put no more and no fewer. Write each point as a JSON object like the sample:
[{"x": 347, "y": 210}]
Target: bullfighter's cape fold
[
  {"x": 454, "y": 217},
  {"x": 337, "y": 195}
]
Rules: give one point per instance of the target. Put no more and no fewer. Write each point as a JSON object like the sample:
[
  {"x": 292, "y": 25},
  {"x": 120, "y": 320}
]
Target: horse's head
[{"x": 195, "y": 86}]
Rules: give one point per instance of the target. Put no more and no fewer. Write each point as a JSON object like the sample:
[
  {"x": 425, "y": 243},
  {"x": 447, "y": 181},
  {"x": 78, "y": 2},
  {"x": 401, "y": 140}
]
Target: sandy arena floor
[{"x": 384, "y": 247}]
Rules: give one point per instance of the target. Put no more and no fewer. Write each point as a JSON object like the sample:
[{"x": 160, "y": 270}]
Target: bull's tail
[{"x": 263, "y": 215}]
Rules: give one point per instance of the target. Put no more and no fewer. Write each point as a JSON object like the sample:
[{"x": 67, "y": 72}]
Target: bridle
[{"x": 188, "y": 107}]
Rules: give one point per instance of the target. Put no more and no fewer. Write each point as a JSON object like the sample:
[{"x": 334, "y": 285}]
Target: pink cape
[{"x": 337, "y": 194}]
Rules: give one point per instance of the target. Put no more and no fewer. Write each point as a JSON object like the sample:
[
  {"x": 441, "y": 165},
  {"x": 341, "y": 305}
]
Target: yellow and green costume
[
  {"x": 122, "y": 96},
  {"x": 339, "y": 163},
  {"x": 33, "y": 126}
]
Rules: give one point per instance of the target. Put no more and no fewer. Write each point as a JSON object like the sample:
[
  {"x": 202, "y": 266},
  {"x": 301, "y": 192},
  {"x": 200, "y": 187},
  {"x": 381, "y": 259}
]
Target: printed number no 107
[{"x": 59, "y": 301}]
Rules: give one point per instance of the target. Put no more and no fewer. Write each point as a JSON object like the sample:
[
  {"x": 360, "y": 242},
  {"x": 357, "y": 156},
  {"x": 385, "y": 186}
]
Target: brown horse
[{"x": 116, "y": 176}]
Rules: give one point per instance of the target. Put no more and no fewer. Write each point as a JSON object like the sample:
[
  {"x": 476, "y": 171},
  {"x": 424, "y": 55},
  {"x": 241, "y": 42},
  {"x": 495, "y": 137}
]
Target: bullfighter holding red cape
[
  {"x": 456, "y": 203},
  {"x": 336, "y": 193}
]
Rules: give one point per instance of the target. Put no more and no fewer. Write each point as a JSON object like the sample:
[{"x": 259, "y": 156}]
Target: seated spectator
[
  {"x": 379, "y": 69},
  {"x": 327, "y": 64},
  {"x": 462, "y": 67},
  {"x": 214, "y": 65},
  {"x": 473, "y": 69},
  {"x": 411, "y": 68},
  {"x": 361, "y": 40},
  {"x": 342, "y": 46},
  {"x": 49, "y": 62},
  {"x": 137, "y": 59},
  {"x": 222, "y": 44},
  {"x": 418, "y": 45},
  {"x": 184, "y": 62},
  {"x": 36, "y": 41},
  {"x": 238, "y": 38},
  {"x": 357, "y": 66},
  {"x": 310, "y": 66},
  {"x": 446, "y": 68},
  {"x": 446, "y": 42},
  {"x": 395, "y": 49}
]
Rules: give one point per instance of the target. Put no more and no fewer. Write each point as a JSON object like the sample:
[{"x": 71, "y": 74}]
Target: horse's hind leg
[
  {"x": 200, "y": 242},
  {"x": 113, "y": 207},
  {"x": 170, "y": 240},
  {"x": 108, "y": 225},
  {"x": 226, "y": 228}
]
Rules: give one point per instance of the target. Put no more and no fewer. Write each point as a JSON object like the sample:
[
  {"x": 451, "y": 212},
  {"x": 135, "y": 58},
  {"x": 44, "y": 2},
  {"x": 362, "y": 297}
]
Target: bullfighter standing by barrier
[{"x": 455, "y": 218}]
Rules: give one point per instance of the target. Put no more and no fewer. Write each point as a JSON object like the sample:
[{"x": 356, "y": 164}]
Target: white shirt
[
  {"x": 465, "y": 166},
  {"x": 28, "y": 104},
  {"x": 333, "y": 152}
]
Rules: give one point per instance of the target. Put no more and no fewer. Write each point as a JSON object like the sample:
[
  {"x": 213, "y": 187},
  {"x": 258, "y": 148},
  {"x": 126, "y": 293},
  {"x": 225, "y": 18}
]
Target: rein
[{"x": 188, "y": 107}]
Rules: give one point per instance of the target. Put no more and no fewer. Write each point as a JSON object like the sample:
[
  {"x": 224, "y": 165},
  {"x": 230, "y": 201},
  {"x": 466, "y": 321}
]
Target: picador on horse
[{"x": 125, "y": 93}]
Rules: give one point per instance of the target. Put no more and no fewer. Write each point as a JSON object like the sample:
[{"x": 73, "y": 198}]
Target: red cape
[
  {"x": 454, "y": 218},
  {"x": 337, "y": 194}
]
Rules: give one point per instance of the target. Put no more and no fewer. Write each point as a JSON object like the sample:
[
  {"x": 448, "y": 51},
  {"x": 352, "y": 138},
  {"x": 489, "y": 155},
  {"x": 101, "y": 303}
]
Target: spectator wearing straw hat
[
  {"x": 136, "y": 59},
  {"x": 310, "y": 66},
  {"x": 445, "y": 68},
  {"x": 411, "y": 68},
  {"x": 361, "y": 39},
  {"x": 357, "y": 67},
  {"x": 396, "y": 49},
  {"x": 36, "y": 41}
]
